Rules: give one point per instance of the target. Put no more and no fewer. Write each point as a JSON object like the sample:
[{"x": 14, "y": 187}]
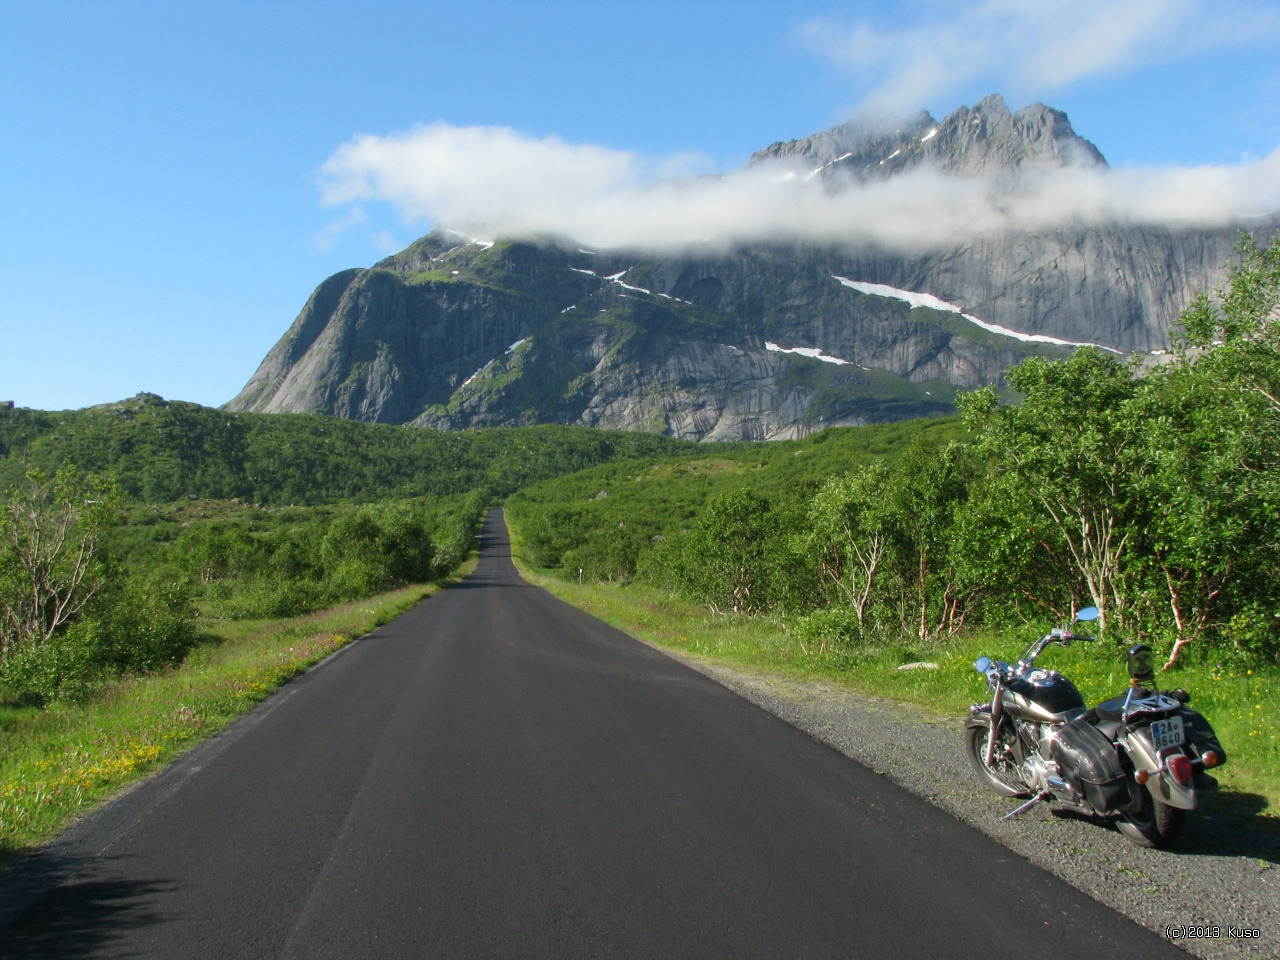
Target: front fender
[{"x": 979, "y": 718}]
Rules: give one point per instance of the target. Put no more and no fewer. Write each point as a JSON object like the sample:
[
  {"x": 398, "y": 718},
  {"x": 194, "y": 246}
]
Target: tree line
[{"x": 157, "y": 451}]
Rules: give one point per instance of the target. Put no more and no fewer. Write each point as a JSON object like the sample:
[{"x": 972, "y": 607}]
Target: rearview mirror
[
  {"x": 1087, "y": 614},
  {"x": 982, "y": 664}
]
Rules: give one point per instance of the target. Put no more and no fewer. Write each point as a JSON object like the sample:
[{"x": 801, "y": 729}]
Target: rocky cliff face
[{"x": 764, "y": 342}]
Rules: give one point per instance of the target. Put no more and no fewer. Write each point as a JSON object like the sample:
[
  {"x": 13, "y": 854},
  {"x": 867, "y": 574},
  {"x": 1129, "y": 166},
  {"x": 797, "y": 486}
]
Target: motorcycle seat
[
  {"x": 1112, "y": 710},
  {"x": 1108, "y": 728}
]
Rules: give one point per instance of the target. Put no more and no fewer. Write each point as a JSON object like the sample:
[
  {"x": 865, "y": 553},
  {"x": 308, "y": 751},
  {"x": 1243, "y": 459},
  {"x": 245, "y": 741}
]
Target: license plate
[{"x": 1167, "y": 733}]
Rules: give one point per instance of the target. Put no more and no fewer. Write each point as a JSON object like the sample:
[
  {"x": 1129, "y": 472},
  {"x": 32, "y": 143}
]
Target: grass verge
[
  {"x": 61, "y": 761},
  {"x": 1242, "y": 704}
]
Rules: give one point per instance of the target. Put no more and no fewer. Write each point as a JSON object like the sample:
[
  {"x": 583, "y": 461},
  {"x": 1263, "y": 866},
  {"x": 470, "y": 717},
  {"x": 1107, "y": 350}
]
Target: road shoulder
[{"x": 1224, "y": 875}]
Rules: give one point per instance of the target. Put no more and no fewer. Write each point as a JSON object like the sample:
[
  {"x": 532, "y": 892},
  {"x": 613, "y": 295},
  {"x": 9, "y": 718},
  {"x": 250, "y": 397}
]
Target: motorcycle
[{"x": 1139, "y": 758}]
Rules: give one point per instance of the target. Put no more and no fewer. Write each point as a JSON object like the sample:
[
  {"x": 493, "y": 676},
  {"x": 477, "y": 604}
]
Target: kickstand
[{"x": 1028, "y": 805}]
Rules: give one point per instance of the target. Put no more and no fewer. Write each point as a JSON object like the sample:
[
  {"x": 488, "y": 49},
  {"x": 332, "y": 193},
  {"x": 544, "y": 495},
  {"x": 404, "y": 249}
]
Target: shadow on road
[
  {"x": 475, "y": 581},
  {"x": 83, "y": 919},
  {"x": 1228, "y": 824}
]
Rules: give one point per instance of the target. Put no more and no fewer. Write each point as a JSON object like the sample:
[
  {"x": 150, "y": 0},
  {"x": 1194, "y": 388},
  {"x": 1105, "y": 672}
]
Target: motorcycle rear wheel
[
  {"x": 1003, "y": 776},
  {"x": 1155, "y": 824}
]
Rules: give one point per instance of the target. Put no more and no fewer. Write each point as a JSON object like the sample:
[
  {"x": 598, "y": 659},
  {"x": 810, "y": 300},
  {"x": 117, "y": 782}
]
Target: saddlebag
[{"x": 1090, "y": 763}]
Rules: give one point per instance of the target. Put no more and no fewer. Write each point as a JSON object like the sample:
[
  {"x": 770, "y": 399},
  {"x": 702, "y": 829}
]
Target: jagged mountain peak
[
  {"x": 984, "y": 138},
  {"x": 993, "y": 104}
]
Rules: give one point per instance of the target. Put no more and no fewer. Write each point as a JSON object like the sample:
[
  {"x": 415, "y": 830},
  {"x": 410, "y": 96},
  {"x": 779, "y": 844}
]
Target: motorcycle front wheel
[
  {"x": 1002, "y": 776},
  {"x": 1154, "y": 824}
]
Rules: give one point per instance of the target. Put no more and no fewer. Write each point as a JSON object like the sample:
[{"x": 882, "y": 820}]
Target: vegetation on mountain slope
[{"x": 158, "y": 451}]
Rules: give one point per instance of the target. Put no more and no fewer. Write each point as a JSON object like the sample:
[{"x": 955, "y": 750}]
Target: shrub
[
  {"x": 832, "y": 628},
  {"x": 62, "y": 668},
  {"x": 143, "y": 624}
]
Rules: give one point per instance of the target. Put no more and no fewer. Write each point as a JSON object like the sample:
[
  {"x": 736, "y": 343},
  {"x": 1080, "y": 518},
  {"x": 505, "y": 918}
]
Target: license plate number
[{"x": 1167, "y": 733}]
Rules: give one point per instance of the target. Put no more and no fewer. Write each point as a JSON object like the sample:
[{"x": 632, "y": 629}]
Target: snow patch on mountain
[
  {"x": 817, "y": 170},
  {"x": 617, "y": 278},
  {"x": 477, "y": 373},
  {"x": 934, "y": 303},
  {"x": 811, "y": 352}
]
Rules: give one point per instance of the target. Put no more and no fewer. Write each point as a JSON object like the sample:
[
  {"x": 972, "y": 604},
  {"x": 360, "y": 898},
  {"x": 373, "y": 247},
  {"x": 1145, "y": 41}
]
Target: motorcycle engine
[
  {"x": 1041, "y": 773},
  {"x": 1036, "y": 772}
]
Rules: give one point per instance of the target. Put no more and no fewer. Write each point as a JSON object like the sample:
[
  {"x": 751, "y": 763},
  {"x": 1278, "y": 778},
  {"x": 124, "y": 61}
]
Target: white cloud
[
  {"x": 494, "y": 182},
  {"x": 1026, "y": 47},
  {"x": 473, "y": 175}
]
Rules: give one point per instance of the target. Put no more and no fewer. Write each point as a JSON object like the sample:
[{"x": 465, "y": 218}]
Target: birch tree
[
  {"x": 851, "y": 535},
  {"x": 50, "y": 534},
  {"x": 1070, "y": 444}
]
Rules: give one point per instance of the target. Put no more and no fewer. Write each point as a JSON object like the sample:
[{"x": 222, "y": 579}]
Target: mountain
[
  {"x": 972, "y": 140},
  {"x": 764, "y": 341}
]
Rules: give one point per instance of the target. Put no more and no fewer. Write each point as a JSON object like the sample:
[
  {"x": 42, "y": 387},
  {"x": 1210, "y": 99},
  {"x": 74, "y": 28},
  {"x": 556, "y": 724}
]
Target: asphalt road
[{"x": 496, "y": 774}]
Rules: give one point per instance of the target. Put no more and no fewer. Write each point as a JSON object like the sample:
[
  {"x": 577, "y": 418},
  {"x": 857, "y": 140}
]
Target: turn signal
[
  {"x": 1142, "y": 776},
  {"x": 1210, "y": 759},
  {"x": 1181, "y": 768}
]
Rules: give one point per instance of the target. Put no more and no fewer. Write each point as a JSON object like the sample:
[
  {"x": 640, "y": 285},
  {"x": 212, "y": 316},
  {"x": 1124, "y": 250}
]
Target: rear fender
[{"x": 1160, "y": 783}]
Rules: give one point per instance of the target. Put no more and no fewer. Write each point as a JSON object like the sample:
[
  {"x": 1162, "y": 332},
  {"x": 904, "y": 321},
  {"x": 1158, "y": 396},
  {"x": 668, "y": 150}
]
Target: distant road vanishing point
[{"x": 497, "y": 774}]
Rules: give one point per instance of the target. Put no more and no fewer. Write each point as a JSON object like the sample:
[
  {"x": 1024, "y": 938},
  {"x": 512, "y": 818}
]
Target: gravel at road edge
[{"x": 1224, "y": 873}]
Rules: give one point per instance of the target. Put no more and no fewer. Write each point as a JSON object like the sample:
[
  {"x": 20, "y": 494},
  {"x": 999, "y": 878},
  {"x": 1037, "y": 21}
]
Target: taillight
[{"x": 1181, "y": 768}]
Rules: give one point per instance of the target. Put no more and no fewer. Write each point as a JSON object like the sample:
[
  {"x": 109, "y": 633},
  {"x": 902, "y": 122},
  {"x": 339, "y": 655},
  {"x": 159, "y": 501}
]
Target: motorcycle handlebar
[{"x": 1063, "y": 637}]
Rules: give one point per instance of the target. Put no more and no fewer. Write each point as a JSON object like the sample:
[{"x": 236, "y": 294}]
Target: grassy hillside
[{"x": 159, "y": 451}]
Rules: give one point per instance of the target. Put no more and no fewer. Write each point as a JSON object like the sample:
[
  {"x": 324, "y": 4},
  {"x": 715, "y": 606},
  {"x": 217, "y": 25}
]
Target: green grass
[
  {"x": 61, "y": 761},
  {"x": 1242, "y": 704}
]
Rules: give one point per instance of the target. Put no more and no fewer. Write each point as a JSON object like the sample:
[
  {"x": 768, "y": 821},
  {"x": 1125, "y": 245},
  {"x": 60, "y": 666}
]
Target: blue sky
[{"x": 163, "y": 211}]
